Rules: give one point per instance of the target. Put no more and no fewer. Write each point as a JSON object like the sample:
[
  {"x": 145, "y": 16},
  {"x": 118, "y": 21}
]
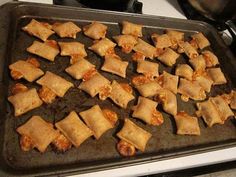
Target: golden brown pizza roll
[
  {"x": 208, "y": 111},
  {"x": 95, "y": 30},
  {"x": 233, "y": 99},
  {"x": 146, "y": 111},
  {"x": 27, "y": 70},
  {"x": 175, "y": 37},
  {"x": 145, "y": 49},
  {"x": 169, "y": 81},
  {"x": 48, "y": 50},
  {"x": 201, "y": 40},
  {"x": 184, "y": 70},
  {"x": 94, "y": 85},
  {"x": 210, "y": 58},
  {"x": 119, "y": 95},
  {"x": 72, "y": 48},
  {"x": 222, "y": 107},
  {"x": 168, "y": 101},
  {"x": 74, "y": 129},
  {"x": 132, "y": 29},
  {"x": 188, "y": 49},
  {"x": 80, "y": 68},
  {"x": 126, "y": 42},
  {"x": 217, "y": 76},
  {"x": 96, "y": 121},
  {"x": 134, "y": 135},
  {"x": 190, "y": 89},
  {"x": 115, "y": 65},
  {"x": 25, "y": 101},
  {"x": 103, "y": 47},
  {"x": 198, "y": 63},
  {"x": 39, "y": 30},
  {"x": 203, "y": 80},
  {"x": 39, "y": 132},
  {"x": 55, "y": 83},
  {"x": 161, "y": 41},
  {"x": 149, "y": 69},
  {"x": 17, "y": 88},
  {"x": 168, "y": 57},
  {"x": 67, "y": 29},
  {"x": 148, "y": 89},
  {"x": 186, "y": 124}
]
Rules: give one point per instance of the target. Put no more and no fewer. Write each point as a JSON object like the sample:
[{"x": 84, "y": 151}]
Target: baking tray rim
[{"x": 142, "y": 160}]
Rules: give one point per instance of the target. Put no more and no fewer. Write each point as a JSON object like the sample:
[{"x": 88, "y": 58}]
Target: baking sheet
[{"x": 102, "y": 154}]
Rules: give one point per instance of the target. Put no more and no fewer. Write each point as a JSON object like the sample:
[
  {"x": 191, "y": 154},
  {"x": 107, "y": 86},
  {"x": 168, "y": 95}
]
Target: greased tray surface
[{"x": 102, "y": 154}]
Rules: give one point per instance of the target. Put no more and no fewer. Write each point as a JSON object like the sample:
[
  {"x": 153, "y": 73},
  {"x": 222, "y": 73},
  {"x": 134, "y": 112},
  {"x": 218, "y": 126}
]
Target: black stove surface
[{"x": 132, "y": 6}]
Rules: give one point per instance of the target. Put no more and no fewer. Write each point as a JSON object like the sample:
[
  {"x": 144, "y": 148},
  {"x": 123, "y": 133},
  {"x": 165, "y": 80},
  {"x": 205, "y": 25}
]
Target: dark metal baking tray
[{"x": 96, "y": 155}]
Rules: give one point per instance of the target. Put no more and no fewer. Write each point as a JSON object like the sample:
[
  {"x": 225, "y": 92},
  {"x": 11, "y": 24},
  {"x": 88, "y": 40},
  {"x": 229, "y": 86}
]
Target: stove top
[{"x": 132, "y": 6}]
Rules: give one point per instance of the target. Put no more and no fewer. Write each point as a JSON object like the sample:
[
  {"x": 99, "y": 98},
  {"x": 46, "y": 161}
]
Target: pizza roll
[
  {"x": 115, "y": 65},
  {"x": 175, "y": 37},
  {"x": 168, "y": 101},
  {"x": 201, "y": 40},
  {"x": 39, "y": 132},
  {"x": 233, "y": 99},
  {"x": 55, "y": 83},
  {"x": 96, "y": 121},
  {"x": 186, "y": 124},
  {"x": 67, "y": 29},
  {"x": 168, "y": 57},
  {"x": 198, "y": 63},
  {"x": 185, "y": 71},
  {"x": 210, "y": 58},
  {"x": 72, "y": 48},
  {"x": 95, "y": 30},
  {"x": 190, "y": 89},
  {"x": 74, "y": 129},
  {"x": 48, "y": 50},
  {"x": 39, "y": 30},
  {"x": 103, "y": 47},
  {"x": 161, "y": 41},
  {"x": 75, "y": 58},
  {"x": 134, "y": 135},
  {"x": 146, "y": 111},
  {"x": 169, "y": 81},
  {"x": 132, "y": 29},
  {"x": 222, "y": 107},
  {"x": 94, "y": 85},
  {"x": 203, "y": 80},
  {"x": 126, "y": 42},
  {"x": 80, "y": 68},
  {"x": 27, "y": 70},
  {"x": 188, "y": 49},
  {"x": 209, "y": 113},
  {"x": 119, "y": 95},
  {"x": 25, "y": 101},
  {"x": 145, "y": 49},
  {"x": 149, "y": 69},
  {"x": 17, "y": 88},
  {"x": 148, "y": 89},
  {"x": 217, "y": 76}
]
